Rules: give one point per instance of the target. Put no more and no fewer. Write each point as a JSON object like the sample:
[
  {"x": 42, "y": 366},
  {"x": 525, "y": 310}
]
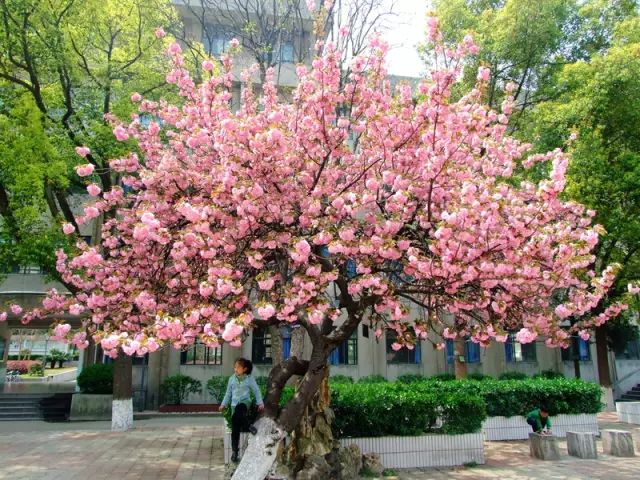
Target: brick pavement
[{"x": 191, "y": 449}]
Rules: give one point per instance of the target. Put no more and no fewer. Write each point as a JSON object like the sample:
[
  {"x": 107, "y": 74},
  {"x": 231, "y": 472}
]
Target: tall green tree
[
  {"x": 600, "y": 101},
  {"x": 528, "y": 43},
  {"x": 64, "y": 65}
]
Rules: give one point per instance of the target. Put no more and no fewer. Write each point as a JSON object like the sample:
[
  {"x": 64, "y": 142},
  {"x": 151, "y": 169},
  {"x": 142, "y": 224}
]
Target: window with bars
[
  {"x": 346, "y": 353},
  {"x": 200, "y": 354},
  {"x": 471, "y": 352},
  {"x": 578, "y": 350},
  {"x": 261, "y": 346},
  {"x": 404, "y": 355},
  {"x": 519, "y": 352}
]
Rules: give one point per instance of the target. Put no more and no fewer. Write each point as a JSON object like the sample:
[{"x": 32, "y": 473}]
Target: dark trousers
[
  {"x": 533, "y": 423},
  {"x": 239, "y": 423}
]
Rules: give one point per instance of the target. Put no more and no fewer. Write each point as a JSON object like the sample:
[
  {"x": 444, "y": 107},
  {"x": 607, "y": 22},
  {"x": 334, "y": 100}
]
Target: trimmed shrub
[
  {"x": 96, "y": 379},
  {"x": 513, "y": 376},
  {"x": 549, "y": 374},
  {"x": 378, "y": 409},
  {"x": 372, "y": 379},
  {"x": 443, "y": 377},
  {"x": 479, "y": 376},
  {"x": 411, "y": 378},
  {"x": 517, "y": 397},
  {"x": 341, "y": 379},
  {"x": 21, "y": 366},
  {"x": 217, "y": 386},
  {"x": 177, "y": 387},
  {"x": 36, "y": 370}
]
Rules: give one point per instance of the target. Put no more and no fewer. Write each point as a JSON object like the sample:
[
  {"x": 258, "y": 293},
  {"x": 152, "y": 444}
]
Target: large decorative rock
[
  {"x": 371, "y": 464},
  {"x": 543, "y": 447},
  {"x": 618, "y": 443},
  {"x": 350, "y": 462},
  {"x": 582, "y": 444},
  {"x": 315, "y": 468}
]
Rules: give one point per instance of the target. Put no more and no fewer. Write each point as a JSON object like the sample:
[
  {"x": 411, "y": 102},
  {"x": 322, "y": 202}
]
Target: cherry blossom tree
[{"x": 353, "y": 202}]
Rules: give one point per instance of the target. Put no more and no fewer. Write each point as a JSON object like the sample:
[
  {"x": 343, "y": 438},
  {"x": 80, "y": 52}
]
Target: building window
[
  {"x": 200, "y": 354},
  {"x": 631, "y": 351},
  {"x": 404, "y": 355},
  {"x": 286, "y": 342},
  {"x": 286, "y": 52},
  {"x": 216, "y": 39},
  {"x": 346, "y": 353},
  {"x": 578, "y": 350},
  {"x": 261, "y": 346},
  {"x": 519, "y": 352},
  {"x": 471, "y": 352}
]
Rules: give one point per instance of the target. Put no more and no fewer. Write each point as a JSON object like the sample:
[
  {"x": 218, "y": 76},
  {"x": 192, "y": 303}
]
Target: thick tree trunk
[
  {"x": 122, "y": 409},
  {"x": 458, "y": 355},
  {"x": 602, "y": 354},
  {"x": 313, "y": 434},
  {"x": 276, "y": 345}
]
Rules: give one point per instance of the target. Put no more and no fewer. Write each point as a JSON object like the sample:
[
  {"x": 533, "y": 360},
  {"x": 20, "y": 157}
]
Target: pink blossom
[
  {"x": 3, "y": 317},
  {"x": 174, "y": 48},
  {"x": 15, "y": 309},
  {"x": 584, "y": 335},
  {"x": 84, "y": 170},
  {"x": 93, "y": 189},
  {"x": 396, "y": 346},
  {"x": 526, "y": 336},
  {"x": 234, "y": 43},
  {"x": 266, "y": 311},
  {"x": 231, "y": 331},
  {"x": 68, "y": 228},
  {"x": 83, "y": 151},
  {"x": 160, "y": 33},
  {"x": 136, "y": 97},
  {"x": 76, "y": 309},
  {"x": 121, "y": 133},
  {"x": 60, "y": 331},
  {"x": 484, "y": 74},
  {"x": 207, "y": 65},
  {"x": 266, "y": 284},
  {"x": 633, "y": 289}
]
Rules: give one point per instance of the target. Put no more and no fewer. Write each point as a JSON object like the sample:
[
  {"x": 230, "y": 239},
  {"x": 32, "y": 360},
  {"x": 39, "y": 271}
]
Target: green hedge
[
  {"x": 378, "y": 409},
  {"x": 97, "y": 378},
  {"x": 517, "y": 397}
]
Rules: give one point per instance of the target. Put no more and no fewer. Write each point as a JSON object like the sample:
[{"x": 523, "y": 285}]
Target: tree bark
[
  {"x": 458, "y": 354},
  {"x": 122, "y": 408},
  {"x": 276, "y": 345},
  {"x": 313, "y": 435},
  {"x": 602, "y": 354}
]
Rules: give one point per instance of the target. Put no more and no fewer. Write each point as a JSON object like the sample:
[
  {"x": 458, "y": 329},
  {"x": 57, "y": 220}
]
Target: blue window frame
[
  {"x": 404, "y": 355},
  {"x": 346, "y": 353},
  {"x": 578, "y": 350},
  {"x": 471, "y": 352},
  {"x": 518, "y": 352}
]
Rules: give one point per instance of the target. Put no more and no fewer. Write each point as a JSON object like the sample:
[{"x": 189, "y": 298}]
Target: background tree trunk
[
  {"x": 122, "y": 410},
  {"x": 458, "y": 353},
  {"x": 602, "y": 354}
]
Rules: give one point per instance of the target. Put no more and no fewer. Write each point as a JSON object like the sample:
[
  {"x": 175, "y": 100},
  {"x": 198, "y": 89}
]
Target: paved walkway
[{"x": 190, "y": 448}]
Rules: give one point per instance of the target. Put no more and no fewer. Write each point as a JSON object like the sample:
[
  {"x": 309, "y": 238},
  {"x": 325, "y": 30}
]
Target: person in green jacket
[{"x": 539, "y": 420}]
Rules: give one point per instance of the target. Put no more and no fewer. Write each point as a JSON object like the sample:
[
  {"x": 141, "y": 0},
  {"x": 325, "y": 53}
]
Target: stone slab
[
  {"x": 582, "y": 444},
  {"x": 543, "y": 447},
  {"x": 618, "y": 443}
]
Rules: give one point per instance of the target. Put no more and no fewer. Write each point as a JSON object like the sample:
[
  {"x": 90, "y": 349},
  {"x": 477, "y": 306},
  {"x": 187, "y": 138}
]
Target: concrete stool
[
  {"x": 582, "y": 444},
  {"x": 618, "y": 443},
  {"x": 543, "y": 447}
]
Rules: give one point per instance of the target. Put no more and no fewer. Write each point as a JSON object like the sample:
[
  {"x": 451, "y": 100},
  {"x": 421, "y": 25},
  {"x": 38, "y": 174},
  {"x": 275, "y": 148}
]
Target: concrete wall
[{"x": 628, "y": 375}]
